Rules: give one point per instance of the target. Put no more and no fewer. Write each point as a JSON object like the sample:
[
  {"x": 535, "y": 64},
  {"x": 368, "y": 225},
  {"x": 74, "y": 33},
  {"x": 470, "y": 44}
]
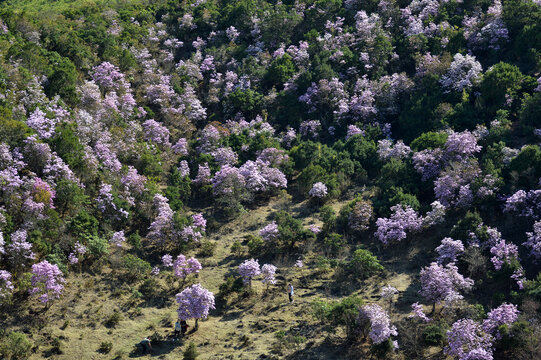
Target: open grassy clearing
[{"x": 245, "y": 328}]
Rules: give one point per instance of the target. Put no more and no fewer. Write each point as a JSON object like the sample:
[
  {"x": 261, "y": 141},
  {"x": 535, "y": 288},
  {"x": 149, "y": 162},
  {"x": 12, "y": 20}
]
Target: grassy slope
[{"x": 243, "y": 330}]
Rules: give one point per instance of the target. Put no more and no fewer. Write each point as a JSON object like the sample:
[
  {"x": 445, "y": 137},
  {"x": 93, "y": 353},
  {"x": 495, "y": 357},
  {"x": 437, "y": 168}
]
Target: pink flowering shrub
[
  {"x": 194, "y": 302},
  {"x": 381, "y": 328},
  {"x": 47, "y": 281},
  {"x": 248, "y": 270}
]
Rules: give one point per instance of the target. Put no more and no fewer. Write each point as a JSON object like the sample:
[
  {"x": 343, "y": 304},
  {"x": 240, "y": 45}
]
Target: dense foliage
[{"x": 130, "y": 131}]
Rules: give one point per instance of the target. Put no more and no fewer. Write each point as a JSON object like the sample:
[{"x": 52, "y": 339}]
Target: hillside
[{"x": 200, "y": 160}]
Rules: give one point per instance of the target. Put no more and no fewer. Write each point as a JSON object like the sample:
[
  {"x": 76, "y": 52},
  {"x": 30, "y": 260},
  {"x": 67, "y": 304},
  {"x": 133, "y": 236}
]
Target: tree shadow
[{"x": 159, "y": 348}]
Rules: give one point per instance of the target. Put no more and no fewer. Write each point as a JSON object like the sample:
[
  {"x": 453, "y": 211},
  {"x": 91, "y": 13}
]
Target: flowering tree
[
  {"x": 534, "y": 241},
  {"x": 20, "y": 250},
  {"x": 162, "y": 227},
  {"x": 118, "y": 238},
  {"x": 360, "y": 216},
  {"x": 404, "y": 219},
  {"x": 78, "y": 252},
  {"x": 249, "y": 269},
  {"x": 194, "y": 303},
  {"x": 505, "y": 314},
  {"x": 270, "y": 232},
  {"x": 387, "y": 293},
  {"x": 6, "y": 287},
  {"x": 380, "y": 323},
  {"x": 183, "y": 267},
  {"x": 463, "y": 73},
  {"x": 439, "y": 283},
  {"x": 268, "y": 271},
  {"x": 503, "y": 252},
  {"x": 418, "y": 311},
  {"x": 468, "y": 340},
  {"x": 449, "y": 250},
  {"x": 319, "y": 190},
  {"x": 47, "y": 281}
]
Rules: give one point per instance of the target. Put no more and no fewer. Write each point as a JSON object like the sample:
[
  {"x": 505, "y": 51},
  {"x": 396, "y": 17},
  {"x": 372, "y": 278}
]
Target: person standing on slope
[{"x": 290, "y": 292}]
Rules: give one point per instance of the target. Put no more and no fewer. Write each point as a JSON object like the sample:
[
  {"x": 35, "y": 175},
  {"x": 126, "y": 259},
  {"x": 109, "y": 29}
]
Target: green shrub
[
  {"x": 149, "y": 288},
  {"x": 255, "y": 245},
  {"x": 105, "y": 347},
  {"x": 136, "y": 267},
  {"x": 97, "y": 246},
  {"x": 434, "y": 334},
  {"x": 113, "y": 320},
  {"x": 237, "y": 248},
  {"x": 191, "y": 352},
  {"x": 207, "y": 248},
  {"x": 15, "y": 346},
  {"x": 338, "y": 313},
  {"x": 363, "y": 264}
]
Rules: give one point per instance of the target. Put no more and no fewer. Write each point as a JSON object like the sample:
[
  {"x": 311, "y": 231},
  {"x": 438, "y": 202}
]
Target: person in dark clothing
[
  {"x": 147, "y": 346},
  {"x": 184, "y": 327}
]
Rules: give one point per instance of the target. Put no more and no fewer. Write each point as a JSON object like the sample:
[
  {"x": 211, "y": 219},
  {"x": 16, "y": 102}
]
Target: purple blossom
[
  {"x": 299, "y": 263},
  {"x": 44, "y": 126},
  {"x": 133, "y": 182},
  {"x": 403, "y": 220},
  {"x": 418, "y": 311},
  {"x": 463, "y": 73},
  {"x": 249, "y": 269},
  {"x": 106, "y": 205},
  {"x": 184, "y": 168},
  {"x": 6, "y": 286},
  {"x": 270, "y": 232},
  {"x": 428, "y": 162},
  {"x": 272, "y": 157},
  {"x": 435, "y": 216},
  {"x": 319, "y": 190},
  {"x": 199, "y": 221},
  {"x": 203, "y": 174},
  {"x": 20, "y": 250},
  {"x": 460, "y": 146},
  {"x": 289, "y": 137},
  {"x": 108, "y": 76},
  {"x": 181, "y": 147},
  {"x": 167, "y": 260},
  {"x": 310, "y": 128},
  {"x": 439, "y": 283},
  {"x": 232, "y": 33},
  {"x": 314, "y": 229},
  {"x": 183, "y": 267},
  {"x": 360, "y": 216},
  {"x": 380, "y": 323},
  {"x": 161, "y": 229},
  {"x": 505, "y": 314},
  {"x": 503, "y": 253},
  {"x": 156, "y": 132},
  {"x": 468, "y": 341},
  {"x": 352, "y": 131},
  {"x": 449, "y": 250},
  {"x": 268, "y": 271},
  {"x": 194, "y": 302},
  {"x": 534, "y": 241},
  {"x": 47, "y": 281},
  {"x": 118, "y": 238},
  {"x": 388, "y": 292},
  {"x": 386, "y": 150},
  {"x": 524, "y": 203},
  {"x": 225, "y": 156},
  {"x": 227, "y": 181}
]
